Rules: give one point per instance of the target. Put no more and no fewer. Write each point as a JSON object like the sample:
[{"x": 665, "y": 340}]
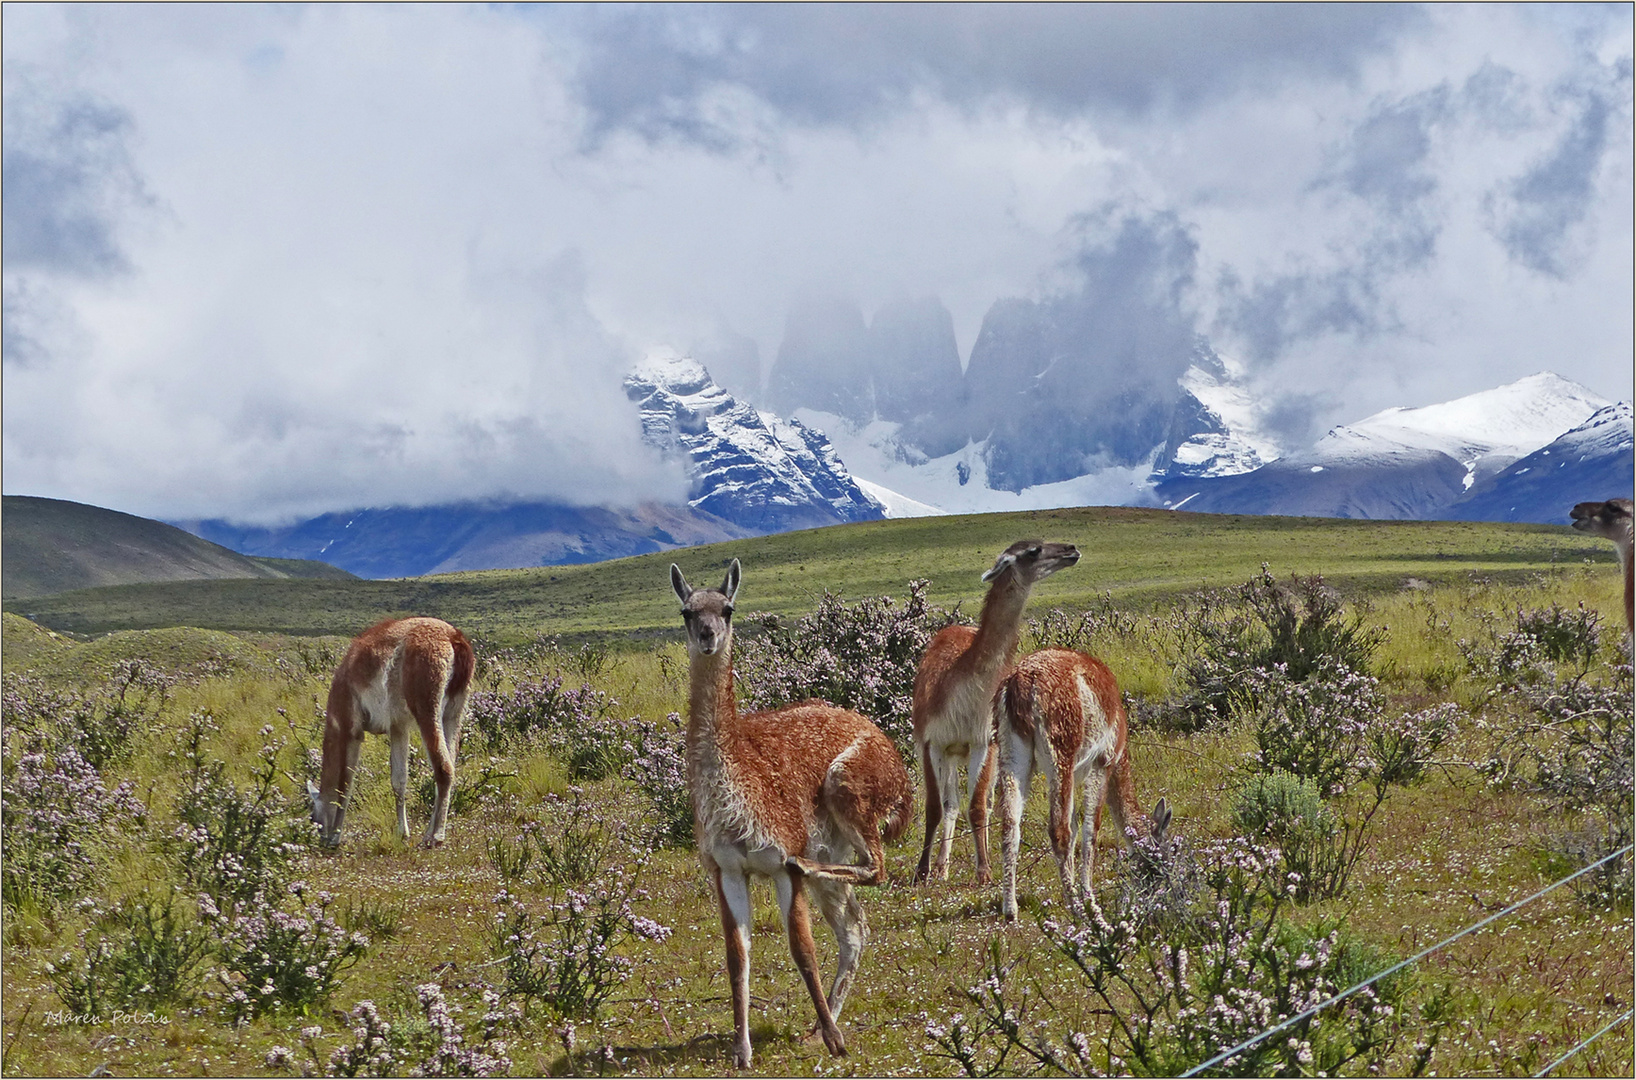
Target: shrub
[
  {"x": 1331, "y": 732},
  {"x": 97, "y": 725},
  {"x": 579, "y": 726},
  {"x": 566, "y": 954},
  {"x": 1159, "y": 881},
  {"x": 281, "y": 959},
  {"x": 56, "y": 809},
  {"x": 660, "y": 771},
  {"x": 1583, "y": 764},
  {"x": 235, "y": 843},
  {"x": 1317, "y": 728},
  {"x": 568, "y": 950},
  {"x": 1565, "y": 636},
  {"x": 1300, "y": 629},
  {"x": 1290, "y": 812},
  {"x": 1057, "y": 629},
  {"x": 860, "y": 656},
  {"x": 1540, "y": 640},
  {"x": 145, "y": 953},
  {"x": 1175, "y": 996},
  {"x": 572, "y": 847},
  {"x": 430, "y": 1044}
]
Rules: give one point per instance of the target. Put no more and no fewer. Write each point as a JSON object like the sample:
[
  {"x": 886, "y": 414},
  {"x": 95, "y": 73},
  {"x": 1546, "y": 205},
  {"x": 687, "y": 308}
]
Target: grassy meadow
[
  {"x": 1448, "y": 847},
  {"x": 1136, "y": 555}
]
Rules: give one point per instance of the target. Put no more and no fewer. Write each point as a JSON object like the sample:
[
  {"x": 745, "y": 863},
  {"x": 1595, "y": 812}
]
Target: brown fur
[
  {"x": 1044, "y": 722},
  {"x": 1613, "y": 520},
  {"x": 954, "y": 690},
  {"x": 780, "y": 794},
  {"x": 398, "y": 671}
]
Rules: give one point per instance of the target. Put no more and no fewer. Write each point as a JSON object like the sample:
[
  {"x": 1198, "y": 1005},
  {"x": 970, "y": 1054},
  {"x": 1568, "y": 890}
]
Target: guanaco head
[
  {"x": 1611, "y": 519},
  {"x": 328, "y": 836},
  {"x": 1031, "y": 560},
  {"x": 707, "y": 613},
  {"x": 1160, "y": 818}
]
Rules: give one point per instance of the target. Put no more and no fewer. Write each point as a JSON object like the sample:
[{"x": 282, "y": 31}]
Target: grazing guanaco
[
  {"x": 1612, "y": 519},
  {"x": 1060, "y": 712},
  {"x": 397, "y": 674},
  {"x": 791, "y": 794},
  {"x": 954, "y": 695}
]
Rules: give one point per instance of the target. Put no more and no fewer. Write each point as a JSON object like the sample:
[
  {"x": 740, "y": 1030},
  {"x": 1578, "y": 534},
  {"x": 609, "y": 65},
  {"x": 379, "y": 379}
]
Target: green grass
[
  {"x": 1445, "y": 853},
  {"x": 1138, "y": 556}
]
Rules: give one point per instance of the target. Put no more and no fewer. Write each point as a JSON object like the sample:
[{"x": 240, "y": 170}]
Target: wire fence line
[
  {"x": 1377, "y": 976},
  {"x": 1607, "y": 1028}
]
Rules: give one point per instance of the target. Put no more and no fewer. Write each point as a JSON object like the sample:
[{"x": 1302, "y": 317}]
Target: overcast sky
[{"x": 262, "y": 262}]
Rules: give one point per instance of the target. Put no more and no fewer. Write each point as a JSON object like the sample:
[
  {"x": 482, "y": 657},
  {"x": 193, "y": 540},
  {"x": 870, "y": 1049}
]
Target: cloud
[
  {"x": 1535, "y": 215},
  {"x": 264, "y": 261},
  {"x": 69, "y": 180},
  {"x": 662, "y": 71}
]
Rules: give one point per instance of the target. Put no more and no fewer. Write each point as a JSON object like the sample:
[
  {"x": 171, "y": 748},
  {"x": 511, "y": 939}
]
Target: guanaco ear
[
  {"x": 679, "y": 583},
  {"x": 729, "y": 584},
  {"x": 1006, "y": 559},
  {"x": 1161, "y": 818}
]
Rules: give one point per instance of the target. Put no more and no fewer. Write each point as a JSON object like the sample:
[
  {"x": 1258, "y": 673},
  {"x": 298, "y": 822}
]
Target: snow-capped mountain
[
  {"x": 1219, "y": 428},
  {"x": 1594, "y": 461},
  {"x": 753, "y": 468},
  {"x": 1485, "y": 431},
  {"x": 1401, "y": 462}
]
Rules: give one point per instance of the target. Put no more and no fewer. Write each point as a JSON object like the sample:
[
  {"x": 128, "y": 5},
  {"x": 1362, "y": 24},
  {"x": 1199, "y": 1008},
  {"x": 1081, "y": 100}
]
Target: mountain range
[
  {"x": 751, "y": 472},
  {"x": 1101, "y": 396},
  {"x": 1521, "y": 452},
  {"x": 1427, "y": 462}
]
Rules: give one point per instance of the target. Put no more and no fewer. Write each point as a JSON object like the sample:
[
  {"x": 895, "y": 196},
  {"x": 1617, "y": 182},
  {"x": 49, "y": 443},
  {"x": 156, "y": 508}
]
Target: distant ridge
[
  {"x": 1590, "y": 463},
  {"x": 53, "y": 545}
]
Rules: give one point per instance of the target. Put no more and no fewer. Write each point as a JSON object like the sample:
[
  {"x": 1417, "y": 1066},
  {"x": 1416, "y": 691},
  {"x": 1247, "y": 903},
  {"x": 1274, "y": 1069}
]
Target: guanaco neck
[
  {"x": 998, "y": 629},
  {"x": 711, "y": 705}
]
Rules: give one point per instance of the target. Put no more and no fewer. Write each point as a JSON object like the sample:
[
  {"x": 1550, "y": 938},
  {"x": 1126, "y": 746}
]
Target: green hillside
[
  {"x": 52, "y": 546},
  {"x": 1135, "y": 554}
]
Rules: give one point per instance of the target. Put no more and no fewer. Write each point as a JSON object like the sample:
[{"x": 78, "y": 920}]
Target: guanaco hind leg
[{"x": 792, "y": 905}]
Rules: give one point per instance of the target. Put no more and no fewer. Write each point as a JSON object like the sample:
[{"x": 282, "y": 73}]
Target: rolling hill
[
  {"x": 1134, "y": 554},
  {"x": 53, "y": 546}
]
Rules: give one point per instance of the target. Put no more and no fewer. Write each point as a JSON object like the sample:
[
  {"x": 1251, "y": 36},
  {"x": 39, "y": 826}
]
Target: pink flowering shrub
[
  {"x": 569, "y": 948},
  {"x": 579, "y": 726},
  {"x": 1261, "y": 626},
  {"x": 55, "y": 810},
  {"x": 233, "y": 842},
  {"x": 859, "y": 656},
  {"x": 143, "y": 953},
  {"x": 98, "y": 724},
  {"x": 431, "y": 1044},
  {"x": 659, "y": 770},
  {"x": 1331, "y": 733},
  {"x": 570, "y": 952},
  {"x": 1177, "y": 993},
  {"x": 1570, "y": 742},
  {"x": 1315, "y": 728},
  {"x": 280, "y": 956}
]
